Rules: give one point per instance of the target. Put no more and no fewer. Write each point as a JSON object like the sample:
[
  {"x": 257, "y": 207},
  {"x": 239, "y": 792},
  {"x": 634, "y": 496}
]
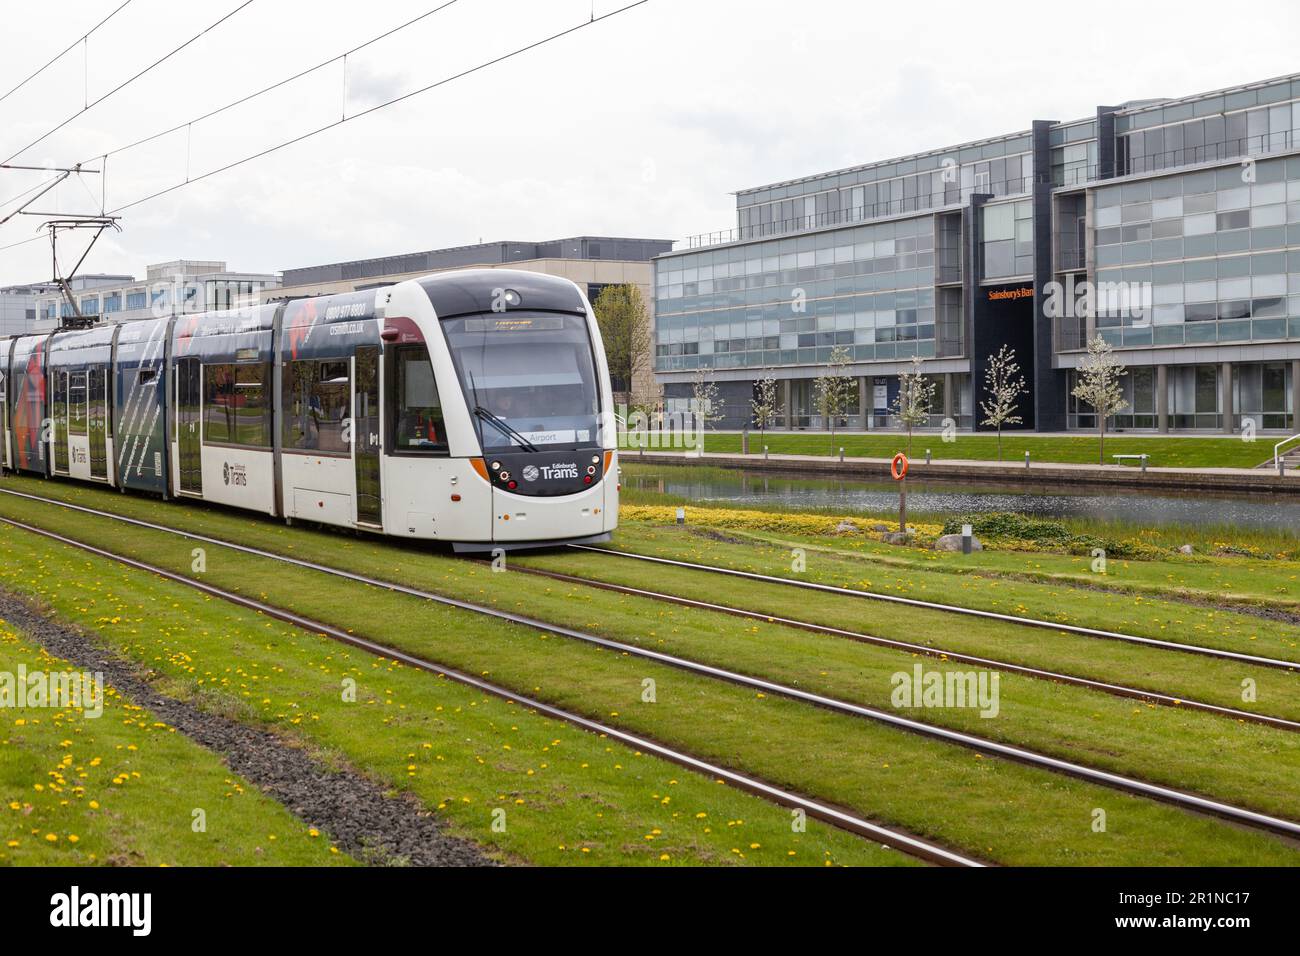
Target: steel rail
[
  {"x": 1119, "y": 690},
  {"x": 841, "y": 819},
  {"x": 956, "y": 609},
  {"x": 1115, "y": 781}
]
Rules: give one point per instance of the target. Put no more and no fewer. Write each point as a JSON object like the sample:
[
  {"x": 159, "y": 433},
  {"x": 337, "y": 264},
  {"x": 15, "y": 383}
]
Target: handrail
[{"x": 1277, "y": 461}]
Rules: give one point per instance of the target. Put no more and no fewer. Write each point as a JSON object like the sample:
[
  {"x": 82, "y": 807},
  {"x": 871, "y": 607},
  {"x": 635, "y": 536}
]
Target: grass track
[
  {"x": 569, "y": 797},
  {"x": 935, "y": 770},
  {"x": 1061, "y": 602}
]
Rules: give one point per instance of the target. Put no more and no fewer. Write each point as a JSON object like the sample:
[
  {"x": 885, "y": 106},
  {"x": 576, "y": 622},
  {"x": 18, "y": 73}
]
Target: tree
[
  {"x": 915, "y": 394},
  {"x": 763, "y": 404},
  {"x": 626, "y": 331},
  {"x": 834, "y": 391},
  {"x": 1099, "y": 386},
  {"x": 1004, "y": 386},
  {"x": 706, "y": 404}
]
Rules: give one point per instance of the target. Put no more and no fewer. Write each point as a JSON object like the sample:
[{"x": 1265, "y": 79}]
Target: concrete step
[{"x": 1290, "y": 460}]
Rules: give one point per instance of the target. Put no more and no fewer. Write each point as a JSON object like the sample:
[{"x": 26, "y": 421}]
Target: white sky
[{"x": 638, "y": 126}]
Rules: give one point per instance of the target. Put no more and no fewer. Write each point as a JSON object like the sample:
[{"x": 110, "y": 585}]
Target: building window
[{"x": 136, "y": 300}]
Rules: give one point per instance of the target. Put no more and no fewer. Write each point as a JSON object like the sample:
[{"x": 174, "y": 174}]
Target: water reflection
[{"x": 943, "y": 498}]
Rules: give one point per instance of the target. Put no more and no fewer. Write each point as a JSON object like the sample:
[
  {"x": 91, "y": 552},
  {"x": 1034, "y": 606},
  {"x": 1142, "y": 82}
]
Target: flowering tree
[
  {"x": 834, "y": 390},
  {"x": 915, "y": 395},
  {"x": 763, "y": 404},
  {"x": 1004, "y": 386},
  {"x": 706, "y": 404},
  {"x": 1099, "y": 386}
]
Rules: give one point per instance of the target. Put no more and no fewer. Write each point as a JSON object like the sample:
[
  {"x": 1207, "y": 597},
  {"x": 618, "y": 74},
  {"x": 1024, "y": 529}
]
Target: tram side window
[
  {"x": 418, "y": 418},
  {"x": 317, "y": 400},
  {"x": 235, "y": 406},
  {"x": 77, "y": 412}
]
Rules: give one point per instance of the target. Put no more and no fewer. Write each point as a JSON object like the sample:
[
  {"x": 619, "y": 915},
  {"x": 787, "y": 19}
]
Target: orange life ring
[{"x": 898, "y": 467}]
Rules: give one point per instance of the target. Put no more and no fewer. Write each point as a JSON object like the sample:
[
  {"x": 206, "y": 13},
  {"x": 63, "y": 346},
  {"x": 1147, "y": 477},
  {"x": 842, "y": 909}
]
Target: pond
[{"x": 1129, "y": 506}]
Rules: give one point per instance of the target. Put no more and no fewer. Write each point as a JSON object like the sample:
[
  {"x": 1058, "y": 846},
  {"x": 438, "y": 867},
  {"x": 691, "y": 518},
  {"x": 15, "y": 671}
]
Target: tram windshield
[{"x": 529, "y": 379}]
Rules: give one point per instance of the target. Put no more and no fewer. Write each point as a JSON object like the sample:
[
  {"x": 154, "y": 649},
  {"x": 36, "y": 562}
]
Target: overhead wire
[
  {"x": 373, "y": 109},
  {"x": 127, "y": 82},
  {"x": 70, "y": 47}
]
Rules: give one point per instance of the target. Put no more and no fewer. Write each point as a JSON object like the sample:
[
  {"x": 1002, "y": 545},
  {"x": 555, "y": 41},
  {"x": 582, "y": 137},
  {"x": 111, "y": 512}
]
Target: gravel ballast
[{"x": 352, "y": 810}]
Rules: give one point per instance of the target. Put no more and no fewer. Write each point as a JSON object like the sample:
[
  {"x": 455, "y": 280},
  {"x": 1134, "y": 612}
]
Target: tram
[{"x": 470, "y": 407}]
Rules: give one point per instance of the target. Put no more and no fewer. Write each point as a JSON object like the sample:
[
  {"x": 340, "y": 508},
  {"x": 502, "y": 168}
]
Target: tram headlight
[
  {"x": 591, "y": 469},
  {"x": 505, "y": 476},
  {"x": 595, "y": 459}
]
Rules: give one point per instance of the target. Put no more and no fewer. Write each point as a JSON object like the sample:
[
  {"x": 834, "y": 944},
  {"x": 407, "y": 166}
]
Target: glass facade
[
  {"x": 1214, "y": 247},
  {"x": 791, "y": 301},
  {"x": 1007, "y": 245},
  {"x": 999, "y": 168}
]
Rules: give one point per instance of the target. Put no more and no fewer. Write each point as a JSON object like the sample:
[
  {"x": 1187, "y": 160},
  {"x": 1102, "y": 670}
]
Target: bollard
[
  {"x": 927, "y": 456},
  {"x": 1026, "y": 459},
  {"x": 1144, "y": 464},
  {"x": 966, "y": 546},
  {"x": 841, "y": 453},
  {"x": 1281, "y": 467},
  {"x": 765, "y": 453},
  {"x": 681, "y": 516},
  {"x": 744, "y": 441}
]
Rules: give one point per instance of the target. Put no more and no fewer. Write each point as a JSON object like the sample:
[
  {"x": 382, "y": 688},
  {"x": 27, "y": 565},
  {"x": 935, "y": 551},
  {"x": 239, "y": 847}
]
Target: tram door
[
  {"x": 4, "y": 412},
  {"x": 365, "y": 435},
  {"x": 97, "y": 420},
  {"x": 189, "y": 438},
  {"x": 59, "y": 401}
]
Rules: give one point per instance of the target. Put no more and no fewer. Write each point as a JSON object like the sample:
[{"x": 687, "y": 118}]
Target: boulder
[
  {"x": 952, "y": 542},
  {"x": 846, "y": 527},
  {"x": 897, "y": 537},
  {"x": 1186, "y": 549}
]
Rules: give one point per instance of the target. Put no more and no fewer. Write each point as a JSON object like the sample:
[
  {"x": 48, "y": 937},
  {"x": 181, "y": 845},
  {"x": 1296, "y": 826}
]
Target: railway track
[
  {"x": 1115, "y": 781},
  {"x": 899, "y": 840},
  {"x": 1277, "y": 662},
  {"x": 1118, "y": 690}
]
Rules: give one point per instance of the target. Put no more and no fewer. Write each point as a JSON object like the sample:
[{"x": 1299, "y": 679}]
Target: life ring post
[{"x": 898, "y": 468}]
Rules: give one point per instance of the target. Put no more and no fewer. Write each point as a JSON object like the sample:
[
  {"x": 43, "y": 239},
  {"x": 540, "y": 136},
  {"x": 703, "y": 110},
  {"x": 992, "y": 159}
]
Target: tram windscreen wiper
[{"x": 504, "y": 428}]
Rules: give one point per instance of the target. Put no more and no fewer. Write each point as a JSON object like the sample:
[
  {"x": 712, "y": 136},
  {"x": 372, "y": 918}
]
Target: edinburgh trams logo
[
  {"x": 234, "y": 475},
  {"x": 530, "y": 472},
  {"x": 565, "y": 470}
]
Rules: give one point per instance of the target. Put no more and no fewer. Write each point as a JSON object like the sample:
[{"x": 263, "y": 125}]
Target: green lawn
[
  {"x": 1165, "y": 451},
  {"x": 79, "y": 789},
  {"x": 945, "y": 792}
]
